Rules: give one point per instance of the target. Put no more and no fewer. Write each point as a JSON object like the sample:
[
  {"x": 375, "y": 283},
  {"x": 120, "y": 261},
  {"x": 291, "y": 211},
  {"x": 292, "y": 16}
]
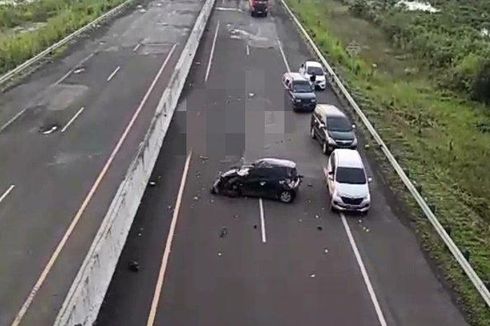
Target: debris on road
[
  {"x": 255, "y": 226},
  {"x": 169, "y": 206},
  {"x": 78, "y": 70},
  {"x": 326, "y": 251},
  {"x": 319, "y": 228},
  {"x": 49, "y": 130},
  {"x": 204, "y": 158},
  {"x": 196, "y": 198},
  {"x": 251, "y": 94},
  {"x": 313, "y": 275},
  {"x": 134, "y": 266},
  {"x": 223, "y": 233},
  {"x": 300, "y": 220},
  {"x": 310, "y": 185},
  {"x": 317, "y": 216},
  {"x": 153, "y": 183},
  {"x": 219, "y": 254}
]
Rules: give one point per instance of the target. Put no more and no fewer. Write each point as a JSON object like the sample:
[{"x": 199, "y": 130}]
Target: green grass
[
  {"x": 54, "y": 19},
  {"x": 442, "y": 139}
]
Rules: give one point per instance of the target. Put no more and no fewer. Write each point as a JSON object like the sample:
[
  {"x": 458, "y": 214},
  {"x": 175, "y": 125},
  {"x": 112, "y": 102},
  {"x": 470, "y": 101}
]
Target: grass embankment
[
  {"x": 442, "y": 139},
  {"x": 27, "y": 29}
]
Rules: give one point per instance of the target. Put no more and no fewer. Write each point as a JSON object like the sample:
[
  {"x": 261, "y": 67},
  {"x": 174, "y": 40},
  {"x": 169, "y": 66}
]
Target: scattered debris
[
  {"x": 169, "y": 206},
  {"x": 319, "y": 228},
  {"x": 49, "y": 130},
  {"x": 367, "y": 230},
  {"x": 223, "y": 232},
  {"x": 139, "y": 234},
  {"x": 235, "y": 216},
  {"x": 255, "y": 226},
  {"x": 313, "y": 275},
  {"x": 196, "y": 198},
  {"x": 219, "y": 254},
  {"x": 134, "y": 266},
  {"x": 211, "y": 201},
  {"x": 78, "y": 70},
  {"x": 251, "y": 94},
  {"x": 366, "y": 146},
  {"x": 141, "y": 229},
  {"x": 197, "y": 63},
  {"x": 360, "y": 220},
  {"x": 310, "y": 185},
  {"x": 204, "y": 158},
  {"x": 300, "y": 220},
  {"x": 153, "y": 183},
  {"x": 317, "y": 216},
  {"x": 325, "y": 251}
]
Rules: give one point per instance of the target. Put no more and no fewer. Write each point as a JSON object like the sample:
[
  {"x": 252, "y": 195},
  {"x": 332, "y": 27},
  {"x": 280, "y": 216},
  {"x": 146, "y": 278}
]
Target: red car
[{"x": 258, "y": 7}]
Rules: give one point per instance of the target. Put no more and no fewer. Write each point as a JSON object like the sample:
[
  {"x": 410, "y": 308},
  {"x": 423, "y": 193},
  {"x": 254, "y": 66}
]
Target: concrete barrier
[{"x": 87, "y": 292}]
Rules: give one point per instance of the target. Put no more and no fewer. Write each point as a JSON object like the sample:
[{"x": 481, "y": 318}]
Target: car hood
[
  {"x": 341, "y": 135},
  {"x": 304, "y": 96},
  {"x": 352, "y": 190}
]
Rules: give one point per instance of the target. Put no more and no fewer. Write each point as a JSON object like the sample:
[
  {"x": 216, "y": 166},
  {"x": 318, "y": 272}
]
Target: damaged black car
[{"x": 266, "y": 178}]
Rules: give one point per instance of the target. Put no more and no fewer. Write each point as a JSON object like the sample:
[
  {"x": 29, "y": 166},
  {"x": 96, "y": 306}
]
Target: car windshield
[
  {"x": 302, "y": 88},
  {"x": 317, "y": 71},
  {"x": 338, "y": 124},
  {"x": 351, "y": 175}
]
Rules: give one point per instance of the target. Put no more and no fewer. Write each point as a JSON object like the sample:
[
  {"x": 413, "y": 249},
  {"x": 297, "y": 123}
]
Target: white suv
[
  {"x": 313, "y": 68},
  {"x": 347, "y": 181}
]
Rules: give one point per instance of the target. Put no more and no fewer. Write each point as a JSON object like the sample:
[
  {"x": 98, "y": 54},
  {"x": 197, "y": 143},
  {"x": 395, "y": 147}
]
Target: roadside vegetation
[
  {"x": 423, "y": 79},
  {"x": 28, "y": 27}
]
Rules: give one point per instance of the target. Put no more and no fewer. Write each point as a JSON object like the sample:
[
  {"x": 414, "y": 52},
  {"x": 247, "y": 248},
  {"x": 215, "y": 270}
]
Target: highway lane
[
  {"x": 294, "y": 264},
  {"x": 56, "y": 186}
]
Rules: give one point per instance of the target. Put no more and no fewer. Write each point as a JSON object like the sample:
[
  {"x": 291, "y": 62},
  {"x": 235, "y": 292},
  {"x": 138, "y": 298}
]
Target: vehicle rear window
[
  {"x": 338, "y": 124},
  {"x": 301, "y": 87},
  {"x": 317, "y": 71},
  {"x": 351, "y": 175}
]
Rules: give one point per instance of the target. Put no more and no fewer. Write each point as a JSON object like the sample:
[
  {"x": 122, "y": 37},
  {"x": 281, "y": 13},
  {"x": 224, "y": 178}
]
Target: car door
[
  {"x": 253, "y": 184},
  {"x": 331, "y": 174}
]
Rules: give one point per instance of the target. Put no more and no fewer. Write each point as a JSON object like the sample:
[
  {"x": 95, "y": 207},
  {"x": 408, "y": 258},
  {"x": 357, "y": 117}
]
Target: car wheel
[
  {"x": 286, "y": 196},
  {"x": 312, "y": 132},
  {"x": 332, "y": 208}
]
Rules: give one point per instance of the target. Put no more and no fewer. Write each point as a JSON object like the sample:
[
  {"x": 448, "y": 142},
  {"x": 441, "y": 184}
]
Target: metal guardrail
[
  {"x": 342, "y": 91},
  {"x": 17, "y": 70}
]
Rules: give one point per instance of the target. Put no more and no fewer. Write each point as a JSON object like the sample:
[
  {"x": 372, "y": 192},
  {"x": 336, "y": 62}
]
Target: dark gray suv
[
  {"x": 299, "y": 91},
  {"x": 332, "y": 128}
]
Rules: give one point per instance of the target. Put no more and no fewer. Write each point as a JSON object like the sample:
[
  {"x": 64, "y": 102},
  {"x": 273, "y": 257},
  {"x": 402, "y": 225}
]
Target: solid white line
[
  {"x": 136, "y": 47},
  {"x": 73, "y": 69},
  {"x": 212, "y": 53},
  {"x": 364, "y": 273},
  {"x": 283, "y": 56},
  {"x": 87, "y": 199},
  {"x": 228, "y": 9},
  {"x": 262, "y": 220},
  {"x": 248, "y": 49},
  {"x": 168, "y": 246},
  {"x": 15, "y": 117},
  {"x": 6, "y": 193},
  {"x": 72, "y": 119},
  {"x": 113, "y": 73}
]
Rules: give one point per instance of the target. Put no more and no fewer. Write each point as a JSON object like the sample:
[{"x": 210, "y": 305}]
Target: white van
[{"x": 347, "y": 181}]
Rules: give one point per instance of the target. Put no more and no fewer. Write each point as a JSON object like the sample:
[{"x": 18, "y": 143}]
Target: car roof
[
  {"x": 313, "y": 64},
  {"x": 348, "y": 158},
  {"x": 329, "y": 109},
  {"x": 276, "y": 162},
  {"x": 296, "y": 76}
]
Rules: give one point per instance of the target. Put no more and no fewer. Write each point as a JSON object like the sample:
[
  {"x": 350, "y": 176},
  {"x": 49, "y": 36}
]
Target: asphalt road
[
  {"x": 56, "y": 184},
  {"x": 277, "y": 264}
]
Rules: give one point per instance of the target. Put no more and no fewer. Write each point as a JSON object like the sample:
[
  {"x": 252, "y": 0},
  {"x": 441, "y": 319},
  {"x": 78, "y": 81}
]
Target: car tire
[
  {"x": 265, "y": 14},
  {"x": 332, "y": 208},
  {"x": 312, "y": 132},
  {"x": 286, "y": 196}
]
